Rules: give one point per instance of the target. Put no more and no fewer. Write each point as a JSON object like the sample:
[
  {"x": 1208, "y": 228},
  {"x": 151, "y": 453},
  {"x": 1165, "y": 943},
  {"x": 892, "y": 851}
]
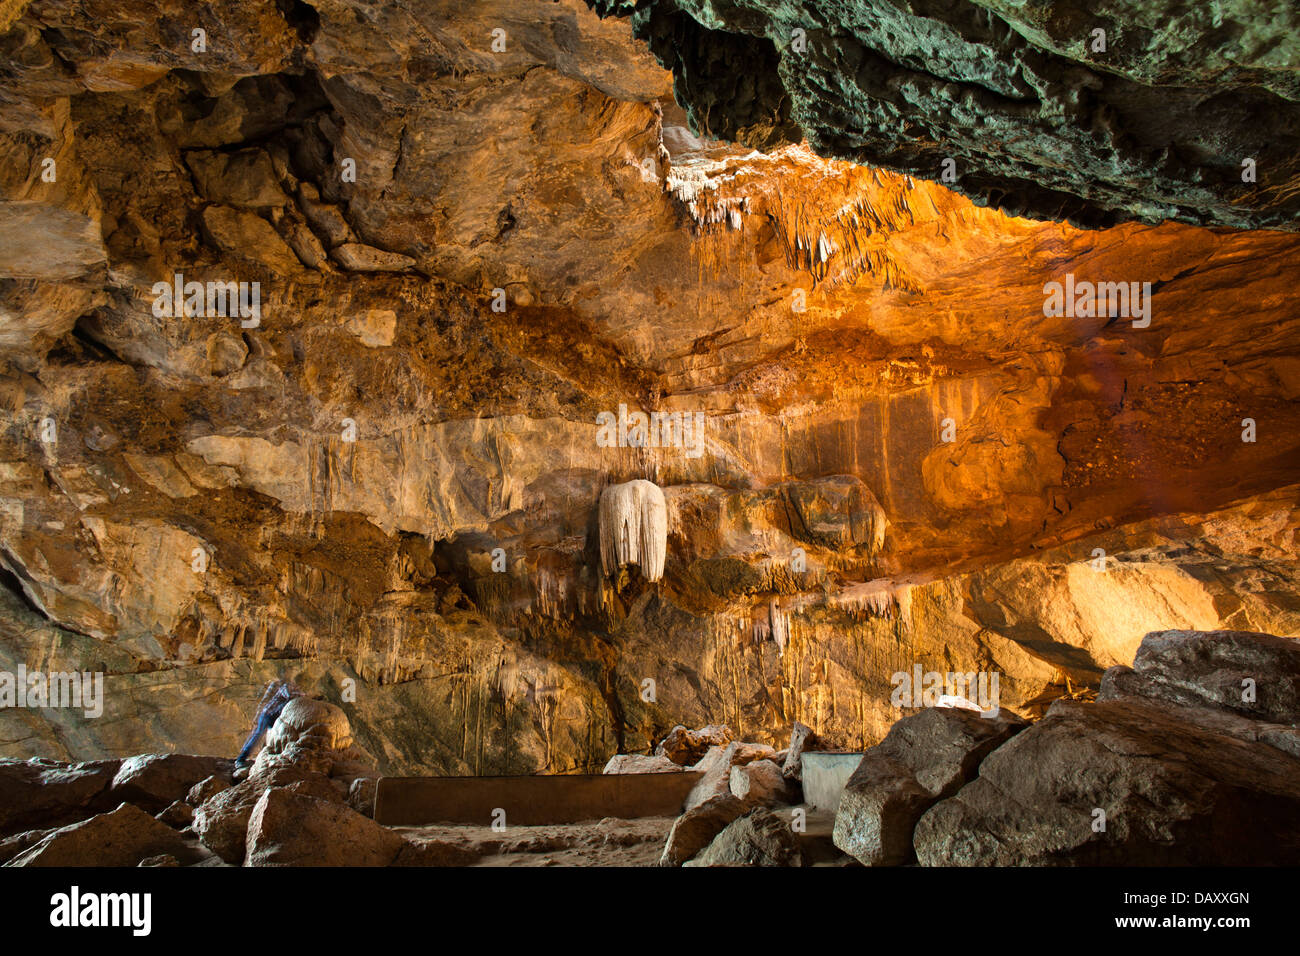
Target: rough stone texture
[
  {"x": 640, "y": 763},
  {"x": 1038, "y": 118},
  {"x": 1174, "y": 792},
  {"x": 288, "y": 828},
  {"x": 696, "y": 828},
  {"x": 155, "y": 781},
  {"x": 686, "y": 747},
  {"x": 361, "y": 795},
  {"x": 46, "y": 792},
  {"x": 761, "y": 782},
  {"x": 640, "y": 265},
  {"x": 222, "y": 823},
  {"x": 923, "y": 758},
  {"x": 206, "y": 789},
  {"x": 178, "y": 815},
  {"x": 759, "y": 838},
  {"x": 802, "y": 738},
  {"x": 717, "y": 764},
  {"x": 1213, "y": 668},
  {"x": 123, "y": 837}
]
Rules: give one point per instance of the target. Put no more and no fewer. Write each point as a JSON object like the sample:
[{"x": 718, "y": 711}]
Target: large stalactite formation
[{"x": 389, "y": 476}]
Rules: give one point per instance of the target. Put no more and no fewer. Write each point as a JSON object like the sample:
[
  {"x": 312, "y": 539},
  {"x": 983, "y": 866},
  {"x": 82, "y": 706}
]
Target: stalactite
[{"x": 634, "y": 528}]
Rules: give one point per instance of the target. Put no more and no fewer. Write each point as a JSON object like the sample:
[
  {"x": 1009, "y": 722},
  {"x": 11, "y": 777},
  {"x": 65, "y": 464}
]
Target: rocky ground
[{"x": 1190, "y": 756}]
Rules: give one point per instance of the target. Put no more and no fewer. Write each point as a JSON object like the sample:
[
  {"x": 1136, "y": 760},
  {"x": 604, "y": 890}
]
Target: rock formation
[
  {"x": 1128, "y": 109},
  {"x": 385, "y": 480},
  {"x": 634, "y": 528}
]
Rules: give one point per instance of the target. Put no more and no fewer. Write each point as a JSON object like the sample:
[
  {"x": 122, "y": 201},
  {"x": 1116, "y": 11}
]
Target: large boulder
[
  {"x": 45, "y": 793},
  {"x": 222, "y": 822},
  {"x": 716, "y": 766},
  {"x": 686, "y": 747},
  {"x": 696, "y": 828},
  {"x": 1247, "y": 673},
  {"x": 123, "y": 837},
  {"x": 761, "y": 783},
  {"x": 155, "y": 781},
  {"x": 925, "y": 757},
  {"x": 1173, "y": 792},
  {"x": 289, "y": 828},
  {"x": 759, "y": 838},
  {"x": 314, "y": 735}
]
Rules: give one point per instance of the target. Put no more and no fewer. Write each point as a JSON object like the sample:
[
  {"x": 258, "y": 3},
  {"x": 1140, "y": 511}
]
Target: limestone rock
[
  {"x": 44, "y": 792},
  {"x": 716, "y": 766},
  {"x": 761, "y": 782},
  {"x": 740, "y": 77},
  {"x": 802, "y": 738},
  {"x": 1255, "y": 675},
  {"x": 640, "y": 763},
  {"x": 178, "y": 815},
  {"x": 207, "y": 788},
  {"x": 288, "y": 828},
  {"x": 361, "y": 795},
  {"x": 687, "y": 747},
  {"x": 924, "y": 758},
  {"x": 222, "y": 822},
  {"x": 878, "y": 811},
  {"x": 759, "y": 838},
  {"x": 1173, "y": 793},
  {"x": 122, "y": 837},
  {"x": 154, "y": 781},
  {"x": 696, "y": 828},
  {"x": 358, "y": 257},
  {"x": 634, "y": 528}
]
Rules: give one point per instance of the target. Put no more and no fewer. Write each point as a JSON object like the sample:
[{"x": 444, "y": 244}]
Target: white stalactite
[{"x": 634, "y": 528}]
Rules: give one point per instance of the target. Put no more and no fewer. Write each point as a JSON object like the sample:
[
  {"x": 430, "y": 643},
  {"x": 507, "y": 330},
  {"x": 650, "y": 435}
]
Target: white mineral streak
[
  {"x": 780, "y": 625},
  {"x": 634, "y": 528}
]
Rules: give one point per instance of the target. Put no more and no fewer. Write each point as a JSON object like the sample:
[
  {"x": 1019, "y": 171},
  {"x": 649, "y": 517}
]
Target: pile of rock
[
  {"x": 733, "y": 816},
  {"x": 1190, "y": 757},
  {"x": 306, "y": 800}
]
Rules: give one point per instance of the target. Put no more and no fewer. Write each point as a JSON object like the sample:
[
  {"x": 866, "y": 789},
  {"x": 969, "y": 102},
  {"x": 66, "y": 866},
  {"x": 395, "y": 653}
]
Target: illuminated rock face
[
  {"x": 390, "y": 491},
  {"x": 634, "y": 528},
  {"x": 1096, "y": 112}
]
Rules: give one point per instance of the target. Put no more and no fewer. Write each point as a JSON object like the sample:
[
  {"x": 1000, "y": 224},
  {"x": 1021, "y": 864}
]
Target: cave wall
[{"x": 347, "y": 467}]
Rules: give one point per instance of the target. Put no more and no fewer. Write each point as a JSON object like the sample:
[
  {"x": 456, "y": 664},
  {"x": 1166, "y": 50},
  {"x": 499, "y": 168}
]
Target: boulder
[
  {"x": 696, "y": 828},
  {"x": 801, "y": 738},
  {"x": 222, "y": 822},
  {"x": 289, "y": 828},
  {"x": 761, "y": 783},
  {"x": 1174, "y": 792},
  {"x": 687, "y": 747},
  {"x": 122, "y": 837},
  {"x": 177, "y": 816},
  {"x": 878, "y": 810},
  {"x": 314, "y": 735},
  {"x": 759, "y": 838},
  {"x": 925, "y": 757},
  {"x": 155, "y": 781},
  {"x": 45, "y": 793},
  {"x": 640, "y": 763},
  {"x": 206, "y": 789},
  {"x": 716, "y": 767},
  {"x": 1252, "y": 674}
]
